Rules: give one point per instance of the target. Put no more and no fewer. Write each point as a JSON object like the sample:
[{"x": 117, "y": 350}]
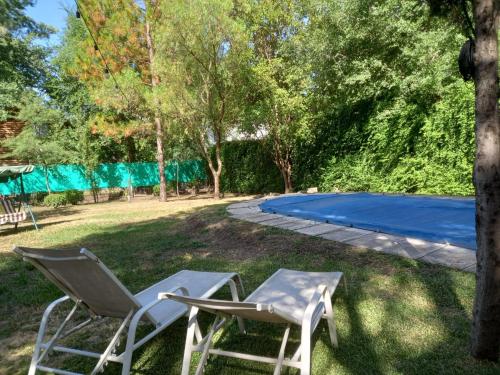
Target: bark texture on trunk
[
  {"x": 157, "y": 118},
  {"x": 485, "y": 338},
  {"x": 216, "y": 172},
  {"x": 283, "y": 161}
]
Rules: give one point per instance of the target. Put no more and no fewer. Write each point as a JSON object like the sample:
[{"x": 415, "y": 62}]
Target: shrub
[
  {"x": 55, "y": 200},
  {"x": 116, "y": 194},
  {"x": 156, "y": 190},
  {"x": 74, "y": 196},
  {"x": 249, "y": 168}
]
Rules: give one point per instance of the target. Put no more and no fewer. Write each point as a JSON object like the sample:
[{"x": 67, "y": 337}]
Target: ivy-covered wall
[{"x": 395, "y": 147}]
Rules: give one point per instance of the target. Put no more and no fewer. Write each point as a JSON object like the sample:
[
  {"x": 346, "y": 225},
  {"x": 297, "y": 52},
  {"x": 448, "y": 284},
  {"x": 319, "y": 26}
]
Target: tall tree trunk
[
  {"x": 216, "y": 172},
  {"x": 485, "y": 339},
  {"x": 283, "y": 162},
  {"x": 131, "y": 150},
  {"x": 286, "y": 172},
  {"x": 177, "y": 177},
  {"x": 157, "y": 119}
]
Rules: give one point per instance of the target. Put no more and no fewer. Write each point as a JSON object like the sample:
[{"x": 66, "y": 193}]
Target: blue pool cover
[{"x": 443, "y": 220}]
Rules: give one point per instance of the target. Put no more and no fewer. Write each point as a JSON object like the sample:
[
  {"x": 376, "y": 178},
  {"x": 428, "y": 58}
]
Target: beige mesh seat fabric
[
  {"x": 288, "y": 297},
  {"x": 10, "y": 214},
  {"x": 92, "y": 286}
]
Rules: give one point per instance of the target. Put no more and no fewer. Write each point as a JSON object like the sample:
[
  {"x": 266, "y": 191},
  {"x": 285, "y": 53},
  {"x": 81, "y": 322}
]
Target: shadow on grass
[
  {"x": 400, "y": 316},
  {"x": 28, "y": 227}
]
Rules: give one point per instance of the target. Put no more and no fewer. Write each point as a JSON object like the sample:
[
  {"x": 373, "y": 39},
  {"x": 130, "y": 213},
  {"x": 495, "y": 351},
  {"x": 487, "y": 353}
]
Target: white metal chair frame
[
  {"x": 319, "y": 307},
  {"x": 43, "y": 348}
]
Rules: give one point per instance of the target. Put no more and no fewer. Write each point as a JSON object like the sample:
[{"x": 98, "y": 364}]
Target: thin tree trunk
[
  {"x": 485, "y": 339},
  {"x": 131, "y": 151},
  {"x": 157, "y": 119},
  {"x": 286, "y": 172},
  {"x": 284, "y": 164},
  {"x": 217, "y": 172},
  {"x": 177, "y": 177}
]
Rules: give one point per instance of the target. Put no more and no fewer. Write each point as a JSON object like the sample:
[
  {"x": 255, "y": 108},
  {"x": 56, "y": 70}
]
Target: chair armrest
[
  {"x": 321, "y": 293},
  {"x": 144, "y": 309},
  {"x": 164, "y": 295}
]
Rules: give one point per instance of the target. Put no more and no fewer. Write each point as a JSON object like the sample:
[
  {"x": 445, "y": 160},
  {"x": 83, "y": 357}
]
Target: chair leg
[
  {"x": 37, "y": 354},
  {"x": 234, "y": 293},
  {"x": 305, "y": 345},
  {"x": 104, "y": 356},
  {"x": 281, "y": 356},
  {"x": 193, "y": 330},
  {"x": 129, "y": 346},
  {"x": 204, "y": 355},
  {"x": 330, "y": 317}
]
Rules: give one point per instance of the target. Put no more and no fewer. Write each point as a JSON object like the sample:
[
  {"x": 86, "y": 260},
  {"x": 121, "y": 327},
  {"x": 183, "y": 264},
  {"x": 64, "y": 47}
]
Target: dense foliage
[
  {"x": 249, "y": 168},
  {"x": 392, "y": 113},
  {"x": 22, "y": 60},
  {"x": 62, "y": 199},
  {"x": 55, "y": 200},
  {"x": 357, "y": 95}
]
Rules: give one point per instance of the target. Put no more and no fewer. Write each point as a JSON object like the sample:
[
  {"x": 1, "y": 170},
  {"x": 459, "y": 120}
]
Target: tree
[
  {"x": 485, "y": 337},
  {"x": 22, "y": 61},
  {"x": 485, "y": 341},
  {"x": 280, "y": 78},
  {"x": 204, "y": 45},
  {"x": 155, "y": 81},
  {"x": 117, "y": 61},
  {"x": 45, "y": 139}
]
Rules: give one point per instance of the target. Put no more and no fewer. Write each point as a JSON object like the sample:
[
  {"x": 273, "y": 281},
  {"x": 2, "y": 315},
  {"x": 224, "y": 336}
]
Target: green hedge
[
  {"x": 396, "y": 146},
  {"x": 62, "y": 199},
  {"x": 248, "y": 168}
]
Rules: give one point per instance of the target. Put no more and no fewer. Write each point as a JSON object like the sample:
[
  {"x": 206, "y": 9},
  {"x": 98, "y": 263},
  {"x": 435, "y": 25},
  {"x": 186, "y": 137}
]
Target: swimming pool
[{"x": 444, "y": 220}]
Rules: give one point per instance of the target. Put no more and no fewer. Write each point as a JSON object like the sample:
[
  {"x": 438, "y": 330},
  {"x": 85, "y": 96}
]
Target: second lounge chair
[{"x": 288, "y": 297}]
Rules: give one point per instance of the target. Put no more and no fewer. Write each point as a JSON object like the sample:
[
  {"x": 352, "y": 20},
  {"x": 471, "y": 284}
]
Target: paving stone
[
  {"x": 240, "y": 205},
  {"x": 452, "y": 256},
  {"x": 256, "y": 202},
  {"x": 247, "y": 216},
  {"x": 259, "y": 218},
  {"x": 346, "y": 234},
  {"x": 277, "y": 222},
  {"x": 243, "y": 210},
  {"x": 250, "y": 217},
  {"x": 290, "y": 220},
  {"x": 471, "y": 268},
  {"x": 299, "y": 224},
  {"x": 406, "y": 247},
  {"x": 319, "y": 229}
]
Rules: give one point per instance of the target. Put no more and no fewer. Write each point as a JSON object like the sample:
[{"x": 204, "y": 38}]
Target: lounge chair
[
  {"x": 10, "y": 214},
  {"x": 287, "y": 297},
  {"x": 93, "y": 287}
]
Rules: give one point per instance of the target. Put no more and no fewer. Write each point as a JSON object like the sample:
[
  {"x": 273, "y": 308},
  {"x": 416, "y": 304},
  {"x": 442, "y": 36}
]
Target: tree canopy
[
  {"x": 22, "y": 61},
  {"x": 356, "y": 95}
]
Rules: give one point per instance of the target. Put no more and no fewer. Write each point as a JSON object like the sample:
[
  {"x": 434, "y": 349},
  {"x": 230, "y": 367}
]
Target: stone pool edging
[{"x": 426, "y": 251}]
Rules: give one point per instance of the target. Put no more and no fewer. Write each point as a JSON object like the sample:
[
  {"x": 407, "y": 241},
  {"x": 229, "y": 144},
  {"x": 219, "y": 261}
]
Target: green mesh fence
[{"x": 74, "y": 177}]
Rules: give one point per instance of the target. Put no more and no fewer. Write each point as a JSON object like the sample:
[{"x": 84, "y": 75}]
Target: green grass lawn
[{"x": 400, "y": 316}]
